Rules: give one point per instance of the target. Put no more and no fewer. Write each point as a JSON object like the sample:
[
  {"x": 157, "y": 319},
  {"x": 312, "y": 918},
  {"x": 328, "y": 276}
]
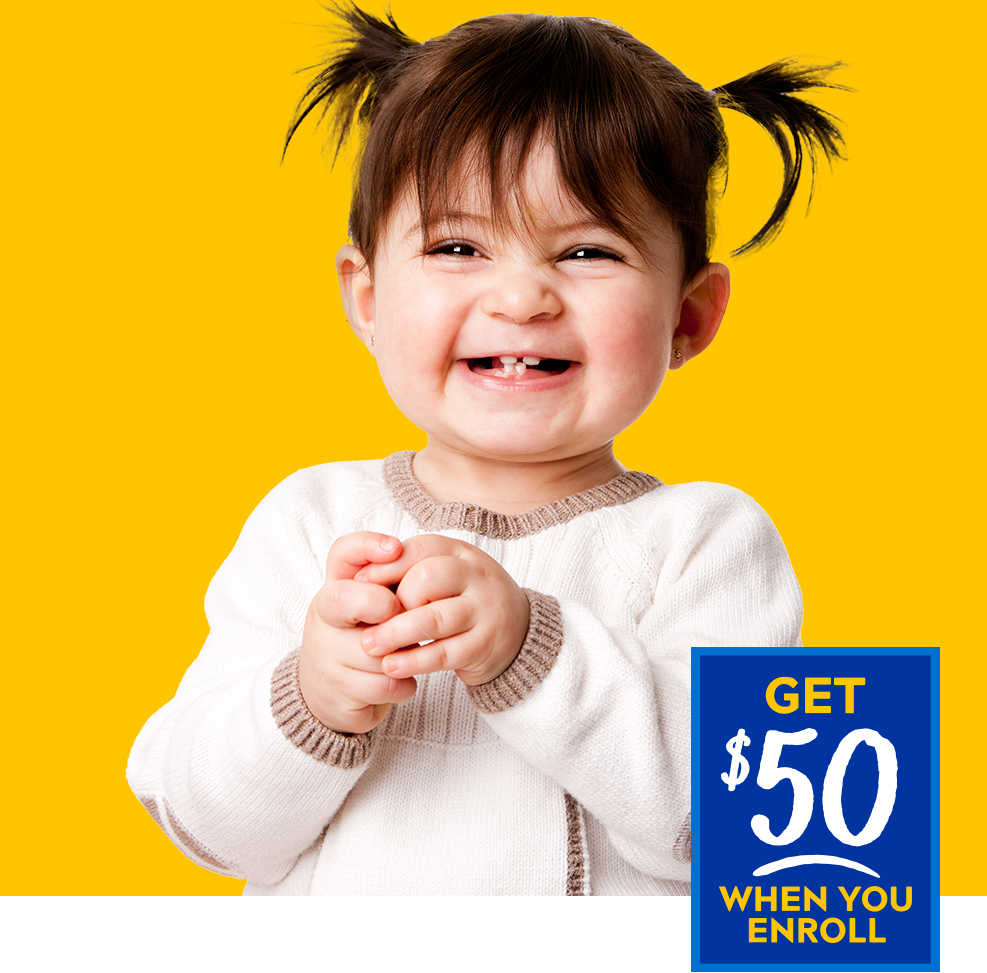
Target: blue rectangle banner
[{"x": 815, "y": 809}]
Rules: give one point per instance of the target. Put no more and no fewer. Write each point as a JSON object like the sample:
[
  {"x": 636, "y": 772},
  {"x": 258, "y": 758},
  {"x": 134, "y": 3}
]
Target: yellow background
[{"x": 174, "y": 347}]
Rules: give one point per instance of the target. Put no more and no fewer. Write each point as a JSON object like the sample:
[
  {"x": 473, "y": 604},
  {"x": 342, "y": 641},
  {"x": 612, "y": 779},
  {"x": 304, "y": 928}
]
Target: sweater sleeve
[
  {"x": 235, "y": 769},
  {"x": 605, "y": 711}
]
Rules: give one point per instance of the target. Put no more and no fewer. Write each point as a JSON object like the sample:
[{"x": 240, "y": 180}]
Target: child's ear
[
  {"x": 357, "y": 291},
  {"x": 704, "y": 302}
]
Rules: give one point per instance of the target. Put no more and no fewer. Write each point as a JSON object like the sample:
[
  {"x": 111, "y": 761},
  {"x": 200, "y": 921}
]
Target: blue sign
[{"x": 815, "y": 797}]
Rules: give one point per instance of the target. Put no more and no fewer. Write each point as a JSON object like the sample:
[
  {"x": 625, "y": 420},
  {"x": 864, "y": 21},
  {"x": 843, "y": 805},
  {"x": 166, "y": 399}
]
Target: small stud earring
[
  {"x": 371, "y": 339},
  {"x": 677, "y": 354}
]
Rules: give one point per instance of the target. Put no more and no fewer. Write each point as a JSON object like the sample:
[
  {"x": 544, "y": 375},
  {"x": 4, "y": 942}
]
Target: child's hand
[
  {"x": 455, "y": 594},
  {"x": 344, "y": 687}
]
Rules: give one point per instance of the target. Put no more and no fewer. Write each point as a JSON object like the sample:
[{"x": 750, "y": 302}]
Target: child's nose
[{"x": 522, "y": 298}]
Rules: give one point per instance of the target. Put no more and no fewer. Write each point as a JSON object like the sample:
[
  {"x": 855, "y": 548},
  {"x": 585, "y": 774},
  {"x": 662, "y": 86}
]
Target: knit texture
[{"x": 568, "y": 774}]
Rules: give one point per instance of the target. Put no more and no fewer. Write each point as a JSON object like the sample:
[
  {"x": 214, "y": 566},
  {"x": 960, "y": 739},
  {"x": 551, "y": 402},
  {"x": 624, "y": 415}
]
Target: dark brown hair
[{"x": 623, "y": 120}]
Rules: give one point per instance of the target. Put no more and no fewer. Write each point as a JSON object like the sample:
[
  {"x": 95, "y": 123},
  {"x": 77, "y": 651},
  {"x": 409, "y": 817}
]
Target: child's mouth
[{"x": 512, "y": 366}]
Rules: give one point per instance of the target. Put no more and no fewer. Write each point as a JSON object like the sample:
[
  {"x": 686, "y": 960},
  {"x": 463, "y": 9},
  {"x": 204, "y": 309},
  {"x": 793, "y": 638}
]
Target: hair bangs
[{"x": 634, "y": 139}]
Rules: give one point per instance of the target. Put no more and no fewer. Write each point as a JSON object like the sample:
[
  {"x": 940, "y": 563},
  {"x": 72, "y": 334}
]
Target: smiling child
[{"x": 466, "y": 671}]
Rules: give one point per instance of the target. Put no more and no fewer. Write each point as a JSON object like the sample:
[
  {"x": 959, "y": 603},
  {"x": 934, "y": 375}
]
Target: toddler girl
[{"x": 466, "y": 671}]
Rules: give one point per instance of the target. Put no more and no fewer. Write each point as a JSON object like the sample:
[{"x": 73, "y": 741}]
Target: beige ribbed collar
[{"x": 432, "y": 515}]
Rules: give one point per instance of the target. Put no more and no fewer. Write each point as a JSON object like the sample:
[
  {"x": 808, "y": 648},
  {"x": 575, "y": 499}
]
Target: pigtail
[
  {"x": 798, "y": 128},
  {"x": 352, "y": 77}
]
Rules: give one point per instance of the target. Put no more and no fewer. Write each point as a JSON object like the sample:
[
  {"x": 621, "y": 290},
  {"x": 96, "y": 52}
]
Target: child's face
[{"x": 593, "y": 316}]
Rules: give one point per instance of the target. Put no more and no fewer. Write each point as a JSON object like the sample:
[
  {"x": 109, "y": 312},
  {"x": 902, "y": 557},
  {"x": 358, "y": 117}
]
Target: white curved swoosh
[{"x": 812, "y": 860}]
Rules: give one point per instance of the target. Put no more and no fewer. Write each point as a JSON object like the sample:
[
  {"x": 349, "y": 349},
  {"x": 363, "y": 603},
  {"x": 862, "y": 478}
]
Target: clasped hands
[{"x": 382, "y": 597}]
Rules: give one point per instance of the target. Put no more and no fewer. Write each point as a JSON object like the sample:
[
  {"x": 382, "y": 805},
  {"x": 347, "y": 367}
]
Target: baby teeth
[{"x": 517, "y": 368}]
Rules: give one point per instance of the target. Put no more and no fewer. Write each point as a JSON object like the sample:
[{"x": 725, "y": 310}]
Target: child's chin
[{"x": 513, "y": 447}]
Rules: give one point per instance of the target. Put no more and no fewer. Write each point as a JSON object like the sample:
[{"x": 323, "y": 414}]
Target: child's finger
[
  {"x": 438, "y": 656},
  {"x": 436, "y": 620},
  {"x": 353, "y": 551},
  {"x": 347, "y": 604},
  {"x": 432, "y": 579},
  {"x": 413, "y": 550},
  {"x": 330, "y": 659},
  {"x": 361, "y": 703},
  {"x": 376, "y": 689}
]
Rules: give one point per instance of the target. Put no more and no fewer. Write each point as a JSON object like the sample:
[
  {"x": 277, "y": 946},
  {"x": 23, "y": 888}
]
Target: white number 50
[{"x": 769, "y": 774}]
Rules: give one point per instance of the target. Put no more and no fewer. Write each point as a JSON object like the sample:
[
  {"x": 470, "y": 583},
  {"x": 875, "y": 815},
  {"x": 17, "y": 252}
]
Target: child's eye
[
  {"x": 593, "y": 253},
  {"x": 454, "y": 248}
]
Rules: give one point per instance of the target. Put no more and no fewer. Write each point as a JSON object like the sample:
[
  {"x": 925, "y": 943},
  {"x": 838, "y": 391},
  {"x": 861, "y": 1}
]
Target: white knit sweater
[{"x": 568, "y": 774}]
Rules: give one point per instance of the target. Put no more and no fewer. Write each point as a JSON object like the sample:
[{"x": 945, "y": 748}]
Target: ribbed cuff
[
  {"x": 296, "y": 722},
  {"x": 533, "y": 663}
]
